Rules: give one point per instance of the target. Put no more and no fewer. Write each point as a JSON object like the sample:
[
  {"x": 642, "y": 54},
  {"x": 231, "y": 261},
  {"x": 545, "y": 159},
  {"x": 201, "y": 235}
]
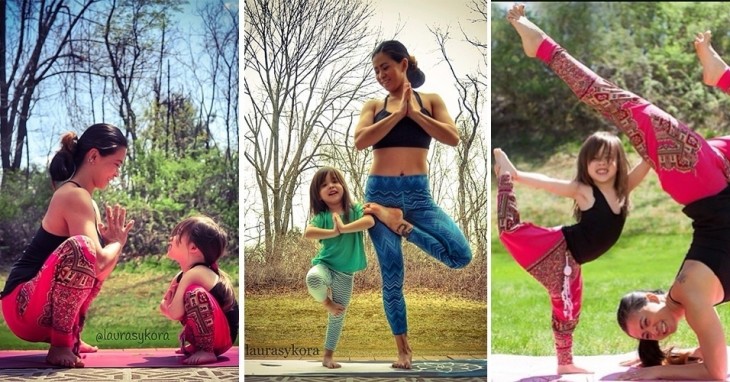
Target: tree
[
  {"x": 305, "y": 64},
  {"x": 37, "y": 40}
]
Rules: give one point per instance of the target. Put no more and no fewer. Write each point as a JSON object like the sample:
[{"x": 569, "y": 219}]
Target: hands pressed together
[{"x": 117, "y": 227}]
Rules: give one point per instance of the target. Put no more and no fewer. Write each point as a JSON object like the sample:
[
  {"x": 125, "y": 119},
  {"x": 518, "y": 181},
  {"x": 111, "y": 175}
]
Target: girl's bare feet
[
  {"x": 329, "y": 361},
  {"x": 189, "y": 349},
  {"x": 572, "y": 369},
  {"x": 334, "y": 308},
  {"x": 200, "y": 357},
  {"x": 712, "y": 64},
  {"x": 530, "y": 34},
  {"x": 405, "y": 354},
  {"x": 86, "y": 348},
  {"x": 502, "y": 164},
  {"x": 391, "y": 217},
  {"x": 63, "y": 356}
]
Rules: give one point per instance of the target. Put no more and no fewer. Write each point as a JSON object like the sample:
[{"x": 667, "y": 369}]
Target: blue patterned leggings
[{"x": 434, "y": 232}]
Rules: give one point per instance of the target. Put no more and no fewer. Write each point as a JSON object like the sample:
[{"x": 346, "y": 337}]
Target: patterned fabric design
[
  {"x": 508, "y": 216},
  {"x": 319, "y": 280},
  {"x": 199, "y": 322},
  {"x": 564, "y": 284},
  {"x": 678, "y": 154},
  {"x": 434, "y": 232},
  {"x": 74, "y": 277}
]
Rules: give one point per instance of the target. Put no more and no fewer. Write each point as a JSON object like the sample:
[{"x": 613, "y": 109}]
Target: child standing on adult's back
[{"x": 338, "y": 224}]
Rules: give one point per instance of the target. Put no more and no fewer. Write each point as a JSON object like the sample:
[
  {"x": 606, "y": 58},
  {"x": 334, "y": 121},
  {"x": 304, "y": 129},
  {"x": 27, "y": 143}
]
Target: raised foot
[
  {"x": 200, "y": 357},
  {"x": 531, "y": 35},
  {"x": 713, "y": 65},
  {"x": 332, "y": 307},
  {"x": 63, "y": 356},
  {"x": 391, "y": 217}
]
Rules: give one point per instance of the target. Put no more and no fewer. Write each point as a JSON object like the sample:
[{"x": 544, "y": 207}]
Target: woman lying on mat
[
  {"x": 52, "y": 284},
  {"x": 201, "y": 296},
  {"x": 695, "y": 173}
]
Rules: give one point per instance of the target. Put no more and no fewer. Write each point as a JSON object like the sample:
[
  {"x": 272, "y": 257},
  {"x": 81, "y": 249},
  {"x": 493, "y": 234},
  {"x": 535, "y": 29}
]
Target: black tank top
[
  {"x": 405, "y": 133},
  {"x": 596, "y": 232},
  {"x": 711, "y": 237},
  {"x": 36, "y": 254},
  {"x": 218, "y": 292}
]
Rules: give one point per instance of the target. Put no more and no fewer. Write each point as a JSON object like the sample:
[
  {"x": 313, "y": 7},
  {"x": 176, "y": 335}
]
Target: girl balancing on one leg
[
  {"x": 338, "y": 224},
  {"x": 553, "y": 256},
  {"x": 694, "y": 172},
  {"x": 51, "y": 286},
  {"x": 201, "y": 296}
]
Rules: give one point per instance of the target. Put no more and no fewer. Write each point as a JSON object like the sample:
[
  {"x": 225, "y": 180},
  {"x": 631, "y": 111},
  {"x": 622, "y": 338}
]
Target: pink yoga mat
[{"x": 24, "y": 359}]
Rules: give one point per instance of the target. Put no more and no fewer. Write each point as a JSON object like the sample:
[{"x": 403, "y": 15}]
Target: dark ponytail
[
  {"x": 650, "y": 353},
  {"x": 106, "y": 138},
  {"x": 398, "y": 52}
]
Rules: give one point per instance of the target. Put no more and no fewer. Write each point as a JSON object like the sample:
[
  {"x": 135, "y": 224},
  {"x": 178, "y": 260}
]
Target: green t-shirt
[{"x": 345, "y": 252}]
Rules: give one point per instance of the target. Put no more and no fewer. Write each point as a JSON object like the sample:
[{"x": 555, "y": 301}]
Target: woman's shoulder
[{"x": 72, "y": 198}]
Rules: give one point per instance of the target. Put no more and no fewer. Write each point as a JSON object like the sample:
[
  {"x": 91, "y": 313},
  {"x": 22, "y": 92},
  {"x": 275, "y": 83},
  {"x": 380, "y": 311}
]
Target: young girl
[
  {"x": 201, "y": 296},
  {"x": 338, "y": 224},
  {"x": 553, "y": 256},
  {"x": 695, "y": 173}
]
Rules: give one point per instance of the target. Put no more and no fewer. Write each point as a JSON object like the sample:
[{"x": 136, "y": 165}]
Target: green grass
[
  {"x": 438, "y": 326},
  {"x": 647, "y": 256},
  {"x": 126, "y": 314}
]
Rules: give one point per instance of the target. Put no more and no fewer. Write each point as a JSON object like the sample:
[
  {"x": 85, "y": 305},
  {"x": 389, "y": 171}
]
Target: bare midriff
[{"x": 399, "y": 161}]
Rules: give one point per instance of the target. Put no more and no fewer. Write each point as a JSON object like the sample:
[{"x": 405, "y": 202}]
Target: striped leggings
[{"x": 320, "y": 278}]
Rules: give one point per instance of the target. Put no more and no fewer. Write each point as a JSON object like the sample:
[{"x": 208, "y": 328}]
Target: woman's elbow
[{"x": 360, "y": 144}]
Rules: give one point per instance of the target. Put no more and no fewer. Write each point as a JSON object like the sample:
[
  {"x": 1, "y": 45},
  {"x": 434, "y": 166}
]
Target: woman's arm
[
  {"x": 705, "y": 322},
  {"x": 441, "y": 127},
  {"x": 637, "y": 174},
  {"x": 368, "y": 132}
]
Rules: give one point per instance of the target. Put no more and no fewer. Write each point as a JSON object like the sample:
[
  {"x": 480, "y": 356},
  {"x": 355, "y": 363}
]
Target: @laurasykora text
[{"x": 283, "y": 351}]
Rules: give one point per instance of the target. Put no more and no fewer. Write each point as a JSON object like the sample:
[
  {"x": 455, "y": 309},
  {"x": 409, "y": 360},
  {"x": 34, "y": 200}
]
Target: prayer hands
[
  {"x": 339, "y": 225},
  {"x": 116, "y": 228}
]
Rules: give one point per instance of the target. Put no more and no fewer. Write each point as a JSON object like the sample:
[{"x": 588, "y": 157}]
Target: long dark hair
[
  {"x": 106, "y": 138},
  {"x": 650, "y": 353},
  {"x": 211, "y": 240},
  {"x": 398, "y": 52},
  {"x": 607, "y": 145},
  {"x": 316, "y": 204}
]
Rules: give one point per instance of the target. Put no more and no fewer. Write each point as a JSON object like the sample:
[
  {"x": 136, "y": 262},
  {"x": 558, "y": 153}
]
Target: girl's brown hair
[
  {"x": 604, "y": 145},
  {"x": 316, "y": 204},
  {"x": 211, "y": 240}
]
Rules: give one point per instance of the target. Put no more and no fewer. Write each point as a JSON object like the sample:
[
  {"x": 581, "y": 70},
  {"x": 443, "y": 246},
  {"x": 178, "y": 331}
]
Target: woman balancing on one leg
[
  {"x": 553, "y": 256},
  {"x": 51, "y": 286},
  {"x": 400, "y": 129},
  {"x": 201, "y": 296},
  {"x": 695, "y": 173}
]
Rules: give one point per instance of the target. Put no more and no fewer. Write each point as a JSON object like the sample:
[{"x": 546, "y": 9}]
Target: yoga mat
[
  {"x": 36, "y": 359},
  {"x": 506, "y": 368},
  {"x": 380, "y": 369}
]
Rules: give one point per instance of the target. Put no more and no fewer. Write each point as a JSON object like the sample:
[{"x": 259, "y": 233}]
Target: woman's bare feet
[
  {"x": 530, "y": 34},
  {"x": 200, "y": 357},
  {"x": 63, "y": 356},
  {"x": 86, "y": 348},
  {"x": 572, "y": 369},
  {"x": 329, "y": 361},
  {"x": 712, "y": 64},
  {"x": 334, "y": 308},
  {"x": 391, "y": 217},
  {"x": 405, "y": 354},
  {"x": 502, "y": 164}
]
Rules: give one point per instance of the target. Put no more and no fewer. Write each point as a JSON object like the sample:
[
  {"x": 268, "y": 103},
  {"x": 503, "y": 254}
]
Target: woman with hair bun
[
  {"x": 400, "y": 128},
  {"x": 51, "y": 286}
]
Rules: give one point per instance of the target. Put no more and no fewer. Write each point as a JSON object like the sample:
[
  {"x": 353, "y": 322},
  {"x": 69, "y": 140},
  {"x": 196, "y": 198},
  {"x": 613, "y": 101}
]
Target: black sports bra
[{"x": 405, "y": 133}]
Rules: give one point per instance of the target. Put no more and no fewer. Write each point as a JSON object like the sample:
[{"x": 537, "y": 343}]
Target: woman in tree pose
[
  {"x": 400, "y": 128},
  {"x": 52, "y": 284},
  {"x": 694, "y": 172}
]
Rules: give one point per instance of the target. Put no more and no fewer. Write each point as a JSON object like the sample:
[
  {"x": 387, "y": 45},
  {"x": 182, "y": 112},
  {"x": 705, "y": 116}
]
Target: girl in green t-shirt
[{"x": 338, "y": 224}]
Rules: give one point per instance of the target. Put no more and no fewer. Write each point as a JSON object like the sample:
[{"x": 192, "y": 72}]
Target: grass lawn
[
  {"x": 647, "y": 256},
  {"x": 438, "y": 326},
  {"x": 125, "y": 314}
]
